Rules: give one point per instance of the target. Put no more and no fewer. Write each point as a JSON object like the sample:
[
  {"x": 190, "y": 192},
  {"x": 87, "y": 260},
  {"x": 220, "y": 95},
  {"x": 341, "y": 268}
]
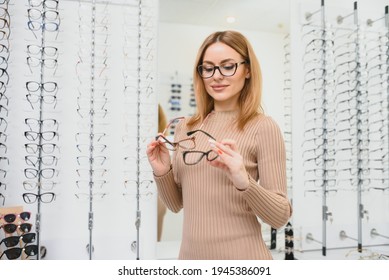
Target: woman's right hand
[{"x": 159, "y": 157}]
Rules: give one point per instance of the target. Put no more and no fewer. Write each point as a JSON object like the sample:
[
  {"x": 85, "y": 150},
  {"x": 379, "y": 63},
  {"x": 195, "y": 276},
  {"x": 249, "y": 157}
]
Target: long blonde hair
[
  {"x": 251, "y": 94},
  {"x": 162, "y": 120}
]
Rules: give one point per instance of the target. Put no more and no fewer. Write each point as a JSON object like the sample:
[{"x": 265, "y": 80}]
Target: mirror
[{"x": 183, "y": 25}]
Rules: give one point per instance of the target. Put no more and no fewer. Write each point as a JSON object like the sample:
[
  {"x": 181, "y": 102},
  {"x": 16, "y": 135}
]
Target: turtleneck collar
[{"x": 226, "y": 115}]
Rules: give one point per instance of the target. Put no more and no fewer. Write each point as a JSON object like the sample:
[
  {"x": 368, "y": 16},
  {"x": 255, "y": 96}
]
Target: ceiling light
[{"x": 231, "y": 19}]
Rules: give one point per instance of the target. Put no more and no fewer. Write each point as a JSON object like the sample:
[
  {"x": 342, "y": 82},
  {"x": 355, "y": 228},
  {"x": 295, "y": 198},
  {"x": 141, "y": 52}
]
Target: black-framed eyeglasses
[
  {"x": 193, "y": 157},
  {"x": 4, "y": 23},
  {"x": 3, "y": 198},
  {"x": 46, "y": 173},
  {"x": 46, "y": 135},
  {"x": 3, "y": 72},
  {"x": 4, "y": 35},
  {"x": 4, "y": 109},
  {"x": 46, "y": 197},
  {"x": 16, "y": 252},
  {"x": 36, "y": 123},
  {"x": 47, "y": 148},
  {"x": 47, "y": 86},
  {"x": 2, "y": 95},
  {"x": 226, "y": 69},
  {"x": 2, "y": 120}
]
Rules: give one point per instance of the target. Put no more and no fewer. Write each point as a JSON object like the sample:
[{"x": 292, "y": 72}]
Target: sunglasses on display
[
  {"x": 11, "y": 228},
  {"x": 12, "y": 241},
  {"x": 14, "y": 253},
  {"x": 10, "y": 218}
]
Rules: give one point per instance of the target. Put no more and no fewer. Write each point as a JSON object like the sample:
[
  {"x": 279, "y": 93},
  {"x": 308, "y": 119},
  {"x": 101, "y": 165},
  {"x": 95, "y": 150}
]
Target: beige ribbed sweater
[{"x": 220, "y": 222}]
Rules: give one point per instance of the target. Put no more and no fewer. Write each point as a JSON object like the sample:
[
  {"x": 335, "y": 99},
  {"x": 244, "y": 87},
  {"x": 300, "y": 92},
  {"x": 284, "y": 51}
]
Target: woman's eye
[
  {"x": 228, "y": 66},
  {"x": 208, "y": 68}
]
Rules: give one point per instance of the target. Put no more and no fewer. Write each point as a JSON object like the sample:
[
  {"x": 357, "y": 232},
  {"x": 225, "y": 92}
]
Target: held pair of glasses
[{"x": 190, "y": 156}]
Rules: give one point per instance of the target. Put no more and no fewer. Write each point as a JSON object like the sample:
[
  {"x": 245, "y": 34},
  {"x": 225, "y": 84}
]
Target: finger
[
  {"x": 218, "y": 164},
  {"x": 230, "y": 143},
  {"x": 222, "y": 148}
]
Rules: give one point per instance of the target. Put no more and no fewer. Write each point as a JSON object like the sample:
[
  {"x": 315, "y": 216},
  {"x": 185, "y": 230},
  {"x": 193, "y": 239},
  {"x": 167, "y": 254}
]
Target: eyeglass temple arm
[
  {"x": 189, "y": 133},
  {"x": 161, "y": 136}
]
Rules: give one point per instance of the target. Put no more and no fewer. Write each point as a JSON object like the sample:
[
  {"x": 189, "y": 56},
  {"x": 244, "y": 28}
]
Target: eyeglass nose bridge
[{"x": 220, "y": 72}]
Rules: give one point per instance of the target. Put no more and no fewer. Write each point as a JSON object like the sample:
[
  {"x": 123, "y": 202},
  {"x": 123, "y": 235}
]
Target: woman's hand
[
  {"x": 159, "y": 157},
  {"x": 231, "y": 162}
]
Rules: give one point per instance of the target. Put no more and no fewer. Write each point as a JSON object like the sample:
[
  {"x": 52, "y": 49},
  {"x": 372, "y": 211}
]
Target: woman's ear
[{"x": 248, "y": 75}]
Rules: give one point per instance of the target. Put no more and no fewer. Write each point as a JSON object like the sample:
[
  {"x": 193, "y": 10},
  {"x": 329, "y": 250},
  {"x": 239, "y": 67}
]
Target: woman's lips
[{"x": 219, "y": 87}]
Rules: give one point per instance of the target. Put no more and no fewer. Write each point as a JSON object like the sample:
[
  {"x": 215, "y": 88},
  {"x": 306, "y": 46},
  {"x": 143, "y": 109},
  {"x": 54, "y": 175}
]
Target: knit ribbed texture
[{"x": 221, "y": 222}]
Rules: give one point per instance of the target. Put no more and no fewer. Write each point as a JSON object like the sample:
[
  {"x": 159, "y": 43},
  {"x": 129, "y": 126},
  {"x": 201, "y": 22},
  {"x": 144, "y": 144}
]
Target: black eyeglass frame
[
  {"x": 202, "y": 154},
  {"x": 220, "y": 67}
]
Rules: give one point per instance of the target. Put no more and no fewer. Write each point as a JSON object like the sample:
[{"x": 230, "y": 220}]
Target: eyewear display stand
[
  {"x": 48, "y": 16},
  {"x": 323, "y": 92},
  {"x": 287, "y": 89},
  {"x": 345, "y": 138},
  {"x": 138, "y": 144},
  {"x": 92, "y": 115}
]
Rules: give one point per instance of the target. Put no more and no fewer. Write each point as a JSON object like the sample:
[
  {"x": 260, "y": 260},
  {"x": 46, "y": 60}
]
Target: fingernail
[
  {"x": 212, "y": 143},
  {"x": 219, "y": 152}
]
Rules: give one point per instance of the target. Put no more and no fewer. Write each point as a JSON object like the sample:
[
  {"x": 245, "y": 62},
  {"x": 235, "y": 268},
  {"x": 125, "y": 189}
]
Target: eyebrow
[{"x": 223, "y": 61}]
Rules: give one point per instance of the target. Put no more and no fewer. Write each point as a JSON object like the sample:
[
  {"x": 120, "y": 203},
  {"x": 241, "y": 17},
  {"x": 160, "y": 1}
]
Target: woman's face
[{"x": 225, "y": 90}]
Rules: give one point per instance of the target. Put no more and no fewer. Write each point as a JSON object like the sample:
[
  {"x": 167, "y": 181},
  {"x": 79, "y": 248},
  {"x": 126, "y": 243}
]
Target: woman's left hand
[{"x": 231, "y": 161}]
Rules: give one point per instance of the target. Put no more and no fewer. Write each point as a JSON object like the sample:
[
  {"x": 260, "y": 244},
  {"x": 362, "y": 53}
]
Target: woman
[{"x": 233, "y": 176}]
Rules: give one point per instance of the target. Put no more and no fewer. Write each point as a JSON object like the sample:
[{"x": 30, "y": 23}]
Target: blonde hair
[
  {"x": 251, "y": 94},
  {"x": 162, "y": 120}
]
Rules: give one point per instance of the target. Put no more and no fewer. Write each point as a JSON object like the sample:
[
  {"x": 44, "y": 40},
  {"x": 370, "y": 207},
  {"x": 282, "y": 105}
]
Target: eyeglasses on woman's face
[{"x": 227, "y": 69}]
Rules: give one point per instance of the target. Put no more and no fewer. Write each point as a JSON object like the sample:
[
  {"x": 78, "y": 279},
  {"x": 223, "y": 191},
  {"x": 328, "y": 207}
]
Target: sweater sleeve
[
  {"x": 169, "y": 191},
  {"x": 268, "y": 197}
]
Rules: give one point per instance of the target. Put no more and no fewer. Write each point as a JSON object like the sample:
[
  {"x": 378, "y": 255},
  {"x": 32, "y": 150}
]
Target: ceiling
[{"x": 264, "y": 15}]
